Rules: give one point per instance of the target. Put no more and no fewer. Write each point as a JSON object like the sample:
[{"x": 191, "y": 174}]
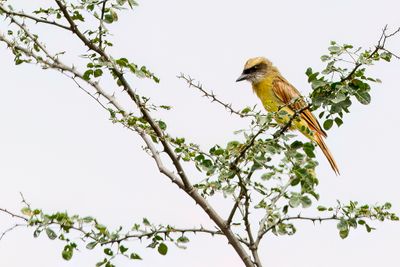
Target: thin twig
[
  {"x": 381, "y": 44},
  {"x": 299, "y": 217},
  {"x": 167, "y": 231},
  {"x": 192, "y": 83},
  {"x": 235, "y": 207},
  {"x": 33, "y": 18},
  {"x": 13, "y": 214},
  {"x": 10, "y": 229},
  {"x": 103, "y": 9}
]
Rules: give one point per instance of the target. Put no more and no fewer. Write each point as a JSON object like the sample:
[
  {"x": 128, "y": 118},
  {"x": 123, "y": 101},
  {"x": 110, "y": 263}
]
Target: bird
[{"x": 279, "y": 96}]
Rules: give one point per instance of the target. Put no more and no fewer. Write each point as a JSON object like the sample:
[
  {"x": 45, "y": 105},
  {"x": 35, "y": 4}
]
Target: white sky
[{"x": 58, "y": 147}]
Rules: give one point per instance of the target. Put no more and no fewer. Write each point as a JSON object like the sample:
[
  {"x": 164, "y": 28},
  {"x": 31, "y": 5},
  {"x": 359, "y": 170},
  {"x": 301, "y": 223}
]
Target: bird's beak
[{"x": 242, "y": 77}]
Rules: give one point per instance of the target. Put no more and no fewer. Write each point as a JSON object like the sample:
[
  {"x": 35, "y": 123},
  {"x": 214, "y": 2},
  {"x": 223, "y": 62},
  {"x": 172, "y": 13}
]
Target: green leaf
[
  {"x": 386, "y": 56},
  {"x": 135, "y": 256},
  {"x": 156, "y": 79},
  {"x": 334, "y": 49},
  {"x": 146, "y": 222},
  {"x": 183, "y": 239},
  {"x": 88, "y": 219},
  {"x": 245, "y": 110},
  {"x": 338, "y": 121},
  {"x": 77, "y": 16},
  {"x": 108, "y": 252},
  {"x": 91, "y": 245},
  {"x": 339, "y": 98},
  {"x": 111, "y": 17},
  {"x": 267, "y": 176},
  {"x": 306, "y": 201},
  {"x": 363, "y": 97},
  {"x": 26, "y": 211},
  {"x": 295, "y": 181},
  {"x": 321, "y": 208},
  {"x": 162, "y": 125},
  {"x": 101, "y": 227},
  {"x": 86, "y": 75},
  {"x": 51, "y": 234},
  {"x": 162, "y": 249},
  {"x": 123, "y": 249},
  {"x": 342, "y": 225},
  {"x": 122, "y": 62},
  {"x": 36, "y": 233},
  {"x": 296, "y": 144},
  {"x": 295, "y": 200},
  {"x": 369, "y": 228},
  {"x": 328, "y": 124},
  {"x": 344, "y": 233},
  {"x": 309, "y": 150},
  {"x": 325, "y": 58},
  {"x": 101, "y": 263},
  {"x": 98, "y": 73},
  {"x": 132, "y": 3},
  {"x": 67, "y": 252}
]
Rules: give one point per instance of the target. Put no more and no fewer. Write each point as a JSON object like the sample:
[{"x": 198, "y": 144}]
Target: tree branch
[
  {"x": 165, "y": 231},
  {"x": 13, "y": 214},
  {"x": 380, "y": 46},
  {"x": 103, "y": 9},
  {"x": 10, "y": 229},
  {"x": 246, "y": 220},
  {"x": 299, "y": 217},
  {"x": 33, "y": 18},
  {"x": 211, "y": 95},
  {"x": 235, "y": 207}
]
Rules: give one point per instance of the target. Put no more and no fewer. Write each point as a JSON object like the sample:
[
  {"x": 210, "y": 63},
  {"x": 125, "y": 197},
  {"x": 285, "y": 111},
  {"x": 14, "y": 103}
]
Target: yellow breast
[
  {"x": 264, "y": 91},
  {"x": 272, "y": 103}
]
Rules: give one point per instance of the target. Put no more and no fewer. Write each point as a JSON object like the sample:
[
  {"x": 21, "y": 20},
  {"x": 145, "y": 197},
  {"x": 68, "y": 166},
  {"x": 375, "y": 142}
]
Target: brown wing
[{"x": 289, "y": 95}]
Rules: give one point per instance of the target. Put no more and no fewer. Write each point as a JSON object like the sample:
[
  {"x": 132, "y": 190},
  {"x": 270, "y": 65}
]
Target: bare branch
[
  {"x": 235, "y": 207},
  {"x": 13, "y": 214},
  {"x": 299, "y": 217},
  {"x": 10, "y": 229},
  {"x": 191, "y": 82},
  {"x": 33, "y": 18},
  {"x": 380, "y": 46}
]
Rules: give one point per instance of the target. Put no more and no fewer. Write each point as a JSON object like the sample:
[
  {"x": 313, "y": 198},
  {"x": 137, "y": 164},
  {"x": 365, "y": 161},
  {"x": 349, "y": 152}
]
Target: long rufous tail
[{"x": 320, "y": 141}]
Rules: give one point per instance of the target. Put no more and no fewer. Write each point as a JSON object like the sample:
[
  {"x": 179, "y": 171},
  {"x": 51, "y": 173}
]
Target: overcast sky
[{"x": 58, "y": 147}]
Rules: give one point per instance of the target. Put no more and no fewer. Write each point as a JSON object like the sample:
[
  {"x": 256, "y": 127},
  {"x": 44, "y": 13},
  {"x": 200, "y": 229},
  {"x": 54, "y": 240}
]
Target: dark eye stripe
[
  {"x": 250, "y": 70},
  {"x": 255, "y": 68}
]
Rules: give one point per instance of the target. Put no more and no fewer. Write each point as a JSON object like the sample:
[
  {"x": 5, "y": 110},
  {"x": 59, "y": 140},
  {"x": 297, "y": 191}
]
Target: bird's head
[{"x": 255, "y": 69}]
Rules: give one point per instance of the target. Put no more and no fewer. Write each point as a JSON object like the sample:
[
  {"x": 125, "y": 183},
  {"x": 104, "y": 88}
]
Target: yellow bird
[{"x": 279, "y": 96}]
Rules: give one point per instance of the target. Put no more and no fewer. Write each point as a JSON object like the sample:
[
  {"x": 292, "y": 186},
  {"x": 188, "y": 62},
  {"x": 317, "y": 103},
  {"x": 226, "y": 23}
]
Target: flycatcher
[{"x": 279, "y": 96}]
